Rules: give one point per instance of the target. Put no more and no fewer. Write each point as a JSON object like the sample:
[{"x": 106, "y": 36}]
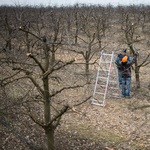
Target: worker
[
  {"x": 125, "y": 68},
  {"x": 121, "y": 55}
]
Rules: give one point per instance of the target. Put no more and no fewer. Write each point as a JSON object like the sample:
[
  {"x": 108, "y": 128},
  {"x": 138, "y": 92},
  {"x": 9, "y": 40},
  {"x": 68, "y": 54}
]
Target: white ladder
[{"x": 106, "y": 77}]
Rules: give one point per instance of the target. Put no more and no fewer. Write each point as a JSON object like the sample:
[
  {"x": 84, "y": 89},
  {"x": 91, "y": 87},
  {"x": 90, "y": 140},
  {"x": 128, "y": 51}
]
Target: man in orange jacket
[{"x": 125, "y": 68}]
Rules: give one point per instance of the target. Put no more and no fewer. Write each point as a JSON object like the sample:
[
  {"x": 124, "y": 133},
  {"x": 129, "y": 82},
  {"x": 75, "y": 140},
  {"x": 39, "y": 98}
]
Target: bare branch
[
  {"x": 58, "y": 116},
  {"x": 54, "y": 69},
  {"x": 9, "y": 77},
  {"x": 83, "y": 101},
  {"x": 21, "y": 29},
  {"x": 65, "y": 88},
  {"x": 144, "y": 61},
  {"x": 34, "y": 118},
  {"x": 36, "y": 60},
  {"x": 35, "y": 83}
]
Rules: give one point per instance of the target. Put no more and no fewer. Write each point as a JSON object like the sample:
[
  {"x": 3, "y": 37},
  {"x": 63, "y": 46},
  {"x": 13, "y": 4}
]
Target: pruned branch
[
  {"x": 21, "y": 29},
  {"x": 36, "y": 60}
]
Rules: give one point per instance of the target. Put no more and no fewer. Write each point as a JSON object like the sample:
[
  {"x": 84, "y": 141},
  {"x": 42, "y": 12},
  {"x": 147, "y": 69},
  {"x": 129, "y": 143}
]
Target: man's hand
[
  {"x": 119, "y": 54},
  {"x": 135, "y": 54}
]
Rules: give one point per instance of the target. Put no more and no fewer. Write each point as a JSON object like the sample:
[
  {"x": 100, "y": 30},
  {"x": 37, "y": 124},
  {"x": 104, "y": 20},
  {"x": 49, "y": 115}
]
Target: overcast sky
[{"x": 72, "y": 2}]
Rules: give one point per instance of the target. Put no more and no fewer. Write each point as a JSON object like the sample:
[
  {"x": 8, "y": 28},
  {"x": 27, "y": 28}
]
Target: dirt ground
[
  {"x": 121, "y": 125},
  {"x": 117, "y": 126}
]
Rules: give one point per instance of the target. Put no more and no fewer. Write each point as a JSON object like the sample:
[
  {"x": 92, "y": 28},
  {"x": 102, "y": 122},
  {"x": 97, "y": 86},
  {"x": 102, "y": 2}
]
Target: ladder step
[
  {"x": 97, "y": 104},
  {"x": 107, "y": 54},
  {"x": 113, "y": 75},
  {"x": 97, "y": 100},
  {"x": 114, "y": 88},
  {"x": 103, "y": 69},
  {"x": 103, "y": 85},
  {"x": 100, "y": 93},
  {"x": 103, "y": 77},
  {"x": 113, "y": 81},
  {"x": 105, "y": 61},
  {"x": 115, "y": 94},
  {"x": 116, "y": 97}
]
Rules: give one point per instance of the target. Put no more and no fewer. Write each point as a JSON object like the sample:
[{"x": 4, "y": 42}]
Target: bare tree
[
  {"x": 29, "y": 65},
  {"x": 90, "y": 36},
  {"x": 130, "y": 31}
]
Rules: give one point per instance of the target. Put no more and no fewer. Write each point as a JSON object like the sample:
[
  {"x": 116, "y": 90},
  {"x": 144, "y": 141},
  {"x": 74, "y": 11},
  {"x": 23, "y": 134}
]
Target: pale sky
[{"x": 72, "y": 2}]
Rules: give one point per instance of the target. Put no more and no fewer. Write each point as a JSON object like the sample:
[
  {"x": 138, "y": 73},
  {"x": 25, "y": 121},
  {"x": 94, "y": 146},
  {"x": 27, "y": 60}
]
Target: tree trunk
[
  {"x": 50, "y": 137},
  {"x": 137, "y": 76},
  {"x": 76, "y": 36},
  {"x": 53, "y": 57},
  {"x": 28, "y": 43},
  {"x": 49, "y": 130},
  {"x": 76, "y": 33},
  {"x": 87, "y": 63},
  {"x": 99, "y": 41},
  {"x": 9, "y": 44},
  {"x": 87, "y": 67}
]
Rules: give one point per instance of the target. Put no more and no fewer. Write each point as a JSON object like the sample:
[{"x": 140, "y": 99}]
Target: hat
[
  {"x": 124, "y": 50},
  {"x": 124, "y": 59}
]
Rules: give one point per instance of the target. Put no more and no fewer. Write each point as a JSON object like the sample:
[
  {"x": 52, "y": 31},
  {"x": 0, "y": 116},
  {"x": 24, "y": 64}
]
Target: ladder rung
[
  {"x": 102, "y": 85},
  {"x": 114, "y": 88},
  {"x": 113, "y": 81},
  {"x": 105, "y": 61},
  {"x": 104, "y": 70},
  {"x": 115, "y": 94},
  {"x": 116, "y": 97},
  {"x": 103, "y": 77},
  {"x": 113, "y": 75},
  {"x": 97, "y": 104},
  {"x": 99, "y": 93},
  {"x": 97, "y": 100},
  {"x": 108, "y": 54}
]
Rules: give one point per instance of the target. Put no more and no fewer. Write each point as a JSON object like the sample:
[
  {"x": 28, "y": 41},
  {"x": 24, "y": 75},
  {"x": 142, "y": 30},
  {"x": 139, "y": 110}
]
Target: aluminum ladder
[{"x": 107, "y": 78}]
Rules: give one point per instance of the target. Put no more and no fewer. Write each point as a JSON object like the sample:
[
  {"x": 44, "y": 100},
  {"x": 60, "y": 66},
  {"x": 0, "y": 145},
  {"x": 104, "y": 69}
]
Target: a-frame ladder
[{"x": 107, "y": 78}]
